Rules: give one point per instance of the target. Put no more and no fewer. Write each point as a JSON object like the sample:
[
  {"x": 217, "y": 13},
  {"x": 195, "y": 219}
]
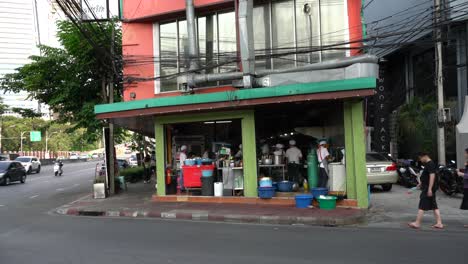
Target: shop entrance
[
  {"x": 210, "y": 153},
  {"x": 300, "y": 127}
]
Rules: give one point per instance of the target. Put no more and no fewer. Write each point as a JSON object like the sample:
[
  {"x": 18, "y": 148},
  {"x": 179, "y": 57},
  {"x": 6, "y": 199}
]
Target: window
[
  {"x": 217, "y": 44},
  {"x": 292, "y": 32}
]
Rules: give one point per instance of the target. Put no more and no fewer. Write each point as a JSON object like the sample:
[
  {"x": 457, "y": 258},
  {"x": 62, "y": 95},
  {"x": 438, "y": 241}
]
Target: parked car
[
  {"x": 11, "y": 171},
  {"x": 30, "y": 163},
  {"x": 123, "y": 164},
  {"x": 84, "y": 157},
  {"x": 381, "y": 170},
  {"x": 95, "y": 156},
  {"x": 4, "y": 157},
  {"x": 133, "y": 162},
  {"x": 73, "y": 156}
]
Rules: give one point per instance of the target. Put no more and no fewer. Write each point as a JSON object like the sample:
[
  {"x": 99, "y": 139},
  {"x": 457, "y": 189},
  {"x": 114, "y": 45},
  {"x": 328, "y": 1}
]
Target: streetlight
[
  {"x": 1, "y": 130},
  {"x": 21, "y": 137},
  {"x": 47, "y": 137}
]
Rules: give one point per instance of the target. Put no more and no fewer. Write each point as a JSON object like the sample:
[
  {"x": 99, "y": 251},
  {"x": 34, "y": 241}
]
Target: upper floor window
[
  {"x": 290, "y": 33},
  {"x": 217, "y": 45}
]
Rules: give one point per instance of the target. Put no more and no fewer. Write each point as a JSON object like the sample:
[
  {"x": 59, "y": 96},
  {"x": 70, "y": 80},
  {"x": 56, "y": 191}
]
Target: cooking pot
[
  {"x": 278, "y": 159},
  {"x": 267, "y": 161}
]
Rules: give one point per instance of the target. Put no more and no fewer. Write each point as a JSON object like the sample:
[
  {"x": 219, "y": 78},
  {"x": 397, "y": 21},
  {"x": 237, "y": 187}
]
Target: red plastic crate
[{"x": 193, "y": 174}]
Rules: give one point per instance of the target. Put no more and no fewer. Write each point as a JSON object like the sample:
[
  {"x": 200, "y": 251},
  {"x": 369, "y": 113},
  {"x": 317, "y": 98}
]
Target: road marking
[
  {"x": 1, "y": 205},
  {"x": 34, "y": 196},
  {"x": 59, "y": 189}
]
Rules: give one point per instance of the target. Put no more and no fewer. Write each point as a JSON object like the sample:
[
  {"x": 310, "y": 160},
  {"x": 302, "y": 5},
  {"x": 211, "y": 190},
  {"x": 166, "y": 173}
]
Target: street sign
[{"x": 35, "y": 136}]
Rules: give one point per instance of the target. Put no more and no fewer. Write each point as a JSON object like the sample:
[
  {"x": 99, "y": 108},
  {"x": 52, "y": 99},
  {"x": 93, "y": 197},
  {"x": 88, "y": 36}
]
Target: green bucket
[{"x": 327, "y": 202}]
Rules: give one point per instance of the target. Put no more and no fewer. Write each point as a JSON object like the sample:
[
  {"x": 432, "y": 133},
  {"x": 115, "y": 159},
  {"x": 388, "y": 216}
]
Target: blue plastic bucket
[
  {"x": 266, "y": 192},
  {"x": 207, "y": 173},
  {"x": 198, "y": 161},
  {"x": 316, "y": 192},
  {"x": 303, "y": 200},
  {"x": 266, "y": 182},
  {"x": 285, "y": 186}
]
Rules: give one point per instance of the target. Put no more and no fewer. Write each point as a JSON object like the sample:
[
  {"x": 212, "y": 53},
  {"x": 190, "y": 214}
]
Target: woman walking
[{"x": 464, "y": 174}]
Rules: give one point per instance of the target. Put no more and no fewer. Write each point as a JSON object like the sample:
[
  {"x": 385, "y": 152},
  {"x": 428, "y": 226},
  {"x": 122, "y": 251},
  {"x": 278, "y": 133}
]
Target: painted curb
[{"x": 359, "y": 218}]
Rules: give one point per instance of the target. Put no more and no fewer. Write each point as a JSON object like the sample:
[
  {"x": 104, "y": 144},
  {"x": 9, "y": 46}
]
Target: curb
[{"x": 359, "y": 218}]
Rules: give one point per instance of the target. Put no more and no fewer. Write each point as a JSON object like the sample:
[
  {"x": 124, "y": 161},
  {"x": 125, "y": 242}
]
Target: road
[{"x": 30, "y": 233}]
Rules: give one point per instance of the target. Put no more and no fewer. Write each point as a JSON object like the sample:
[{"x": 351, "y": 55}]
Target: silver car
[{"x": 381, "y": 171}]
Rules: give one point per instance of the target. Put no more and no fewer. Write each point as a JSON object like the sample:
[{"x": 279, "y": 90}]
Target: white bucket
[{"x": 218, "y": 189}]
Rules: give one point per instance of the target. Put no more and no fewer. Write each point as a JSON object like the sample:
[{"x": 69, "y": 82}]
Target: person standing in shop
[
  {"x": 147, "y": 169},
  {"x": 464, "y": 174},
  {"x": 293, "y": 156},
  {"x": 323, "y": 155},
  {"x": 238, "y": 155},
  {"x": 429, "y": 185}
]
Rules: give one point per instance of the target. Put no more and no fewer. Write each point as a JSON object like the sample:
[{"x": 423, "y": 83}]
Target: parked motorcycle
[
  {"x": 58, "y": 168},
  {"x": 408, "y": 173},
  {"x": 449, "y": 182}
]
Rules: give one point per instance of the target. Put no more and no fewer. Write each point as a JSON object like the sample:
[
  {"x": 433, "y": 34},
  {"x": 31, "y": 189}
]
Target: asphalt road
[{"x": 29, "y": 233}]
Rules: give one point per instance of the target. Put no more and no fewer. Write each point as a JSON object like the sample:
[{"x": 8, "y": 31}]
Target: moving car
[
  {"x": 84, "y": 156},
  {"x": 30, "y": 163},
  {"x": 381, "y": 171},
  {"x": 11, "y": 171},
  {"x": 73, "y": 156}
]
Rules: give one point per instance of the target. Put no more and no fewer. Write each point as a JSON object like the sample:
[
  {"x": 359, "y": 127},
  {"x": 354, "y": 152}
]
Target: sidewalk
[{"x": 136, "y": 202}]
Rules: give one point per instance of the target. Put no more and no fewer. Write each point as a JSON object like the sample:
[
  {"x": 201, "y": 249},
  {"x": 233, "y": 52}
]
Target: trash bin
[
  {"x": 122, "y": 183},
  {"x": 207, "y": 186}
]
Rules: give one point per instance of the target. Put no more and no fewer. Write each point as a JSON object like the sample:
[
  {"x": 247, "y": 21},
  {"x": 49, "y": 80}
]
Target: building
[
  {"x": 24, "y": 24},
  {"x": 231, "y": 72},
  {"x": 409, "y": 68}
]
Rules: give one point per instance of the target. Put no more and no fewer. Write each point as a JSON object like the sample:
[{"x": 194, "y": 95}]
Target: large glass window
[
  {"x": 217, "y": 47},
  {"x": 168, "y": 62},
  {"x": 298, "y": 32}
]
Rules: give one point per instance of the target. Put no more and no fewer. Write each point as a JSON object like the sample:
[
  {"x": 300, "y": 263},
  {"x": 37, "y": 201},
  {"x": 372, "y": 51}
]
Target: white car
[
  {"x": 30, "y": 163},
  {"x": 74, "y": 156},
  {"x": 84, "y": 156},
  {"x": 133, "y": 162}
]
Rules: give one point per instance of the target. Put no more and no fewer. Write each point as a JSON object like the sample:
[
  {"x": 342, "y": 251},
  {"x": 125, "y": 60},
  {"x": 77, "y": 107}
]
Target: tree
[{"x": 69, "y": 80}]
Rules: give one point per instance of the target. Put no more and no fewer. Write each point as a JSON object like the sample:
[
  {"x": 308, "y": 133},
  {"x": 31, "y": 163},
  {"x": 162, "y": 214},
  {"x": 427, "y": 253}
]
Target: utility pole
[
  {"x": 440, "y": 83},
  {"x": 111, "y": 125}
]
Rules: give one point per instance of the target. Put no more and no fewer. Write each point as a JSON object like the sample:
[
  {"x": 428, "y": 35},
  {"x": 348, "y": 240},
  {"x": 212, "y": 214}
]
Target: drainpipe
[
  {"x": 246, "y": 40},
  {"x": 192, "y": 40}
]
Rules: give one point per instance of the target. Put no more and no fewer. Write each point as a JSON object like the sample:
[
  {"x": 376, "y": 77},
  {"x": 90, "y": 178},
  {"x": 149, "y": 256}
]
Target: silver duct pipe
[
  {"x": 199, "y": 79},
  {"x": 332, "y": 64},
  {"x": 246, "y": 40},
  {"x": 193, "y": 55}
]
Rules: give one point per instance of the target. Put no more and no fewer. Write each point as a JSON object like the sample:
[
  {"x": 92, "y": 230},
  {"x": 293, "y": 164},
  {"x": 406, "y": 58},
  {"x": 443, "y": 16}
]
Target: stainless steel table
[{"x": 271, "y": 167}]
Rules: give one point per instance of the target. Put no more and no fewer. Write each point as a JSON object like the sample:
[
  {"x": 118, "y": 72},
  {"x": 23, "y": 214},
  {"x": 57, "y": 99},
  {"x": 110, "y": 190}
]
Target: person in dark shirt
[
  {"x": 464, "y": 174},
  {"x": 429, "y": 185}
]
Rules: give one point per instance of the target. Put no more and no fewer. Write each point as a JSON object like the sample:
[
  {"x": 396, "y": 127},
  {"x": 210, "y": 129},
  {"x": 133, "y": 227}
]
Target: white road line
[
  {"x": 1, "y": 205},
  {"x": 59, "y": 189},
  {"x": 34, "y": 196}
]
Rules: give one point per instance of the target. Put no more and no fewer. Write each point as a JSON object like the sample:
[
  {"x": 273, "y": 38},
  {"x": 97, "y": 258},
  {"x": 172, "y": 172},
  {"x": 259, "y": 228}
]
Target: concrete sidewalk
[{"x": 136, "y": 202}]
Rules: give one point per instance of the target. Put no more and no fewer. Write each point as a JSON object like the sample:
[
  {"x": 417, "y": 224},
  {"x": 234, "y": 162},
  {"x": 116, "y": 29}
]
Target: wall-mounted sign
[{"x": 381, "y": 137}]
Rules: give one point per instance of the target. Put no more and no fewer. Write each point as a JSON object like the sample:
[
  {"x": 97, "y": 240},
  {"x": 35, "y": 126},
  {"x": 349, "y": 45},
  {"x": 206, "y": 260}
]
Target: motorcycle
[
  {"x": 408, "y": 173},
  {"x": 449, "y": 182},
  {"x": 58, "y": 169}
]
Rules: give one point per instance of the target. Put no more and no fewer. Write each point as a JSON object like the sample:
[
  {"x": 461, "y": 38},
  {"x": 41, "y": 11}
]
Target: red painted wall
[
  {"x": 137, "y": 40},
  {"x": 355, "y": 25},
  {"x": 143, "y": 8}
]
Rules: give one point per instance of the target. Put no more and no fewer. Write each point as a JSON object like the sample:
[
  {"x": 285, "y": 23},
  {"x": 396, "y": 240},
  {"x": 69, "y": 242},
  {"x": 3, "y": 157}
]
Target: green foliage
[
  {"x": 133, "y": 174},
  {"x": 69, "y": 80},
  {"x": 417, "y": 128},
  {"x": 62, "y": 137}
]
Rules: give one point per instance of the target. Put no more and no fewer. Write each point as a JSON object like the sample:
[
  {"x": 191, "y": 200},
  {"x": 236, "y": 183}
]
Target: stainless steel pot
[
  {"x": 278, "y": 159},
  {"x": 267, "y": 161}
]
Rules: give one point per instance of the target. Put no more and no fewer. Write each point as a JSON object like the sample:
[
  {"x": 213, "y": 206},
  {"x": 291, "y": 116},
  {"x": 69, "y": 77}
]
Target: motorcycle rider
[
  {"x": 59, "y": 162},
  {"x": 464, "y": 174}
]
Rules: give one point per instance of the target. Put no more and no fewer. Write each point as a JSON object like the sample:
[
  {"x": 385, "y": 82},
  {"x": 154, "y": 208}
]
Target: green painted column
[
  {"x": 160, "y": 157},
  {"x": 356, "y": 152},
  {"x": 249, "y": 152}
]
